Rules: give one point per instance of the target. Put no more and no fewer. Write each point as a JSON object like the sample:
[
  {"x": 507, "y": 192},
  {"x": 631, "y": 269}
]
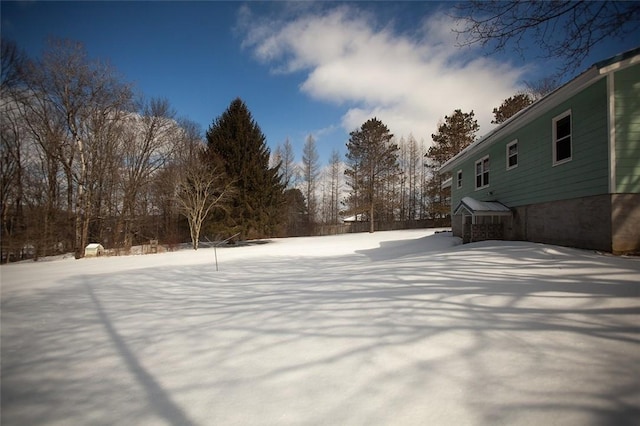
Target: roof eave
[{"x": 531, "y": 112}]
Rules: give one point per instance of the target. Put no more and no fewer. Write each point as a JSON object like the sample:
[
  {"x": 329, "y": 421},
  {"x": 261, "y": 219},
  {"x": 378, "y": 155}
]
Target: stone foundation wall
[
  {"x": 625, "y": 223},
  {"x": 581, "y": 223},
  {"x": 456, "y": 225},
  {"x": 608, "y": 222}
]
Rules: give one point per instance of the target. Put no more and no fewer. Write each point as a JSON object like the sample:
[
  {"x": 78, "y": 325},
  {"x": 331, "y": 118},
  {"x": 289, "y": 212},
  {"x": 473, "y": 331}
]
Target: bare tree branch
[
  {"x": 200, "y": 190},
  {"x": 565, "y": 30}
]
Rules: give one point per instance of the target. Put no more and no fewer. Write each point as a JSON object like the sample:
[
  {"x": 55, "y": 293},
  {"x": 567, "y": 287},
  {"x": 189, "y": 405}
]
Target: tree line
[
  {"x": 382, "y": 178},
  {"x": 319, "y": 195},
  {"x": 84, "y": 159}
]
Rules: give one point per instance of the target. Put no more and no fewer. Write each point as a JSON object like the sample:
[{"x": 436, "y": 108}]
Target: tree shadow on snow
[{"x": 537, "y": 334}]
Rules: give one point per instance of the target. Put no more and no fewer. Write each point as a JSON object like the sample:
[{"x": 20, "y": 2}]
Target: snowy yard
[{"x": 391, "y": 328}]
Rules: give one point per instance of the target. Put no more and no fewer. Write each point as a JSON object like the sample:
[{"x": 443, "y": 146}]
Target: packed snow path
[{"x": 391, "y": 328}]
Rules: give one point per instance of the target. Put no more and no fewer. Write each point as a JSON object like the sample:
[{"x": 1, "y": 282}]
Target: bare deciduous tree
[
  {"x": 288, "y": 170},
  {"x": 566, "y": 30},
  {"x": 331, "y": 185},
  {"x": 412, "y": 171},
  {"x": 11, "y": 148},
  {"x": 89, "y": 100},
  {"x": 81, "y": 160},
  {"x": 148, "y": 145},
  {"x": 336, "y": 170},
  {"x": 188, "y": 146},
  {"x": 541, "y": 88},
  {"x": 200, "y": 190},
  {"x": 310, "y": 172}
]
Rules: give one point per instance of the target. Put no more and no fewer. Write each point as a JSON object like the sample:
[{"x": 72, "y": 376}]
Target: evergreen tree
[
  {"x": 540, "y": 88},
  {"x": 256, "y": 210},
  {"x": 297, "y": 213},
  {"x": 457, "y": 132},
  {"x": 372, "y": 161},
  {"x": 510, "y": 107}
]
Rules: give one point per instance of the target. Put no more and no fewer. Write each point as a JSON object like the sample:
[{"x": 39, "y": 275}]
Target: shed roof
[
  {"x": 360, "y": 217},
  {"x": 482, "y": 208}
]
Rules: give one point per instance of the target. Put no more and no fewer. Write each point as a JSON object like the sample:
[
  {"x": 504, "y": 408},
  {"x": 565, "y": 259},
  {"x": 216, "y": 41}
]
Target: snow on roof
[
  {"x": 482, "y": 208},
  {"x": 360, "y": 217}
]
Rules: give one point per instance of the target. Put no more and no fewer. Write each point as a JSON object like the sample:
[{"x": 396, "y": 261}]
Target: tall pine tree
[
  {"x": 457, "y": 132},
  {"x": 372, "y": 161},
  {"x": 510, "y": 107},
  {"x": 257, "y": 209}
]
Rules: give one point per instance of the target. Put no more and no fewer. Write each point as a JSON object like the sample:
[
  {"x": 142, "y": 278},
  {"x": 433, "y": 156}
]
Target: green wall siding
[
  {"x": 536, "y": 180},
  {"x": 627, "y": 121}
]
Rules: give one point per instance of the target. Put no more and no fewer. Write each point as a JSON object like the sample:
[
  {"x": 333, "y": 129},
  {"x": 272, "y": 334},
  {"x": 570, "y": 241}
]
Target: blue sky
[{"x": 302, "y": 68}]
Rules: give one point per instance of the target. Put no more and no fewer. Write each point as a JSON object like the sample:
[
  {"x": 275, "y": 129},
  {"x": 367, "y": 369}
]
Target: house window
[
  {"x": 459, "y": 179},
  {"x": 562, "y": 138},
  {"x": 482, "y": 172},
  {"x": 512, "y": 155}
]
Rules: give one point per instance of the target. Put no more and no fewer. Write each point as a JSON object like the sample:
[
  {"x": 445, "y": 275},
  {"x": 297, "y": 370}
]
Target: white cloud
[{"x": 409, "y": 83}]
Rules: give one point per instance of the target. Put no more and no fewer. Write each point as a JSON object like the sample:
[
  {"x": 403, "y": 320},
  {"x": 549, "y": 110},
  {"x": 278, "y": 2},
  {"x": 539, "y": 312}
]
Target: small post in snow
[{"x": 215, "y": 252}]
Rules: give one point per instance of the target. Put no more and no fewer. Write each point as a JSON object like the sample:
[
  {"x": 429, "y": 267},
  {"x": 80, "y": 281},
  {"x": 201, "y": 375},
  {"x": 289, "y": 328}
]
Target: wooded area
[{"x": 85, "y": 160}]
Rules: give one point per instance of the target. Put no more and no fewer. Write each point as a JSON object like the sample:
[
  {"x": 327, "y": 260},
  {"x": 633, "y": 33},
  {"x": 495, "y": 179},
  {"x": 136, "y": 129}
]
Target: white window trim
[
  {"x": 554, "y": 138},
  {"x": 510, "y": 144},
  {"x": 475, "y": 172},
  {"x": 459, "y": 179}
]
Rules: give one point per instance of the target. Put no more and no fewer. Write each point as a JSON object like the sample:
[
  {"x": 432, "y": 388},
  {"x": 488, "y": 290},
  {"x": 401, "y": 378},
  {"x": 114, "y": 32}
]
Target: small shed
[
  {"x": 482, "y": 220},
  {"x": 93, "y": 250},
  {"x": 360, "y": 217}
]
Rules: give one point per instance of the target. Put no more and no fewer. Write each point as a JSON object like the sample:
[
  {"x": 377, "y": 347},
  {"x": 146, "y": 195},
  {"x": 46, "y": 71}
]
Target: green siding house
[{"x": 565, "y": 170}]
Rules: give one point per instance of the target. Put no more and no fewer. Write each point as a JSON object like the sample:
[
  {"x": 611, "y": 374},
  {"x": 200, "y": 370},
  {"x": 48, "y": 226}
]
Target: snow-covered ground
[{"x": 391, "y": 328}]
